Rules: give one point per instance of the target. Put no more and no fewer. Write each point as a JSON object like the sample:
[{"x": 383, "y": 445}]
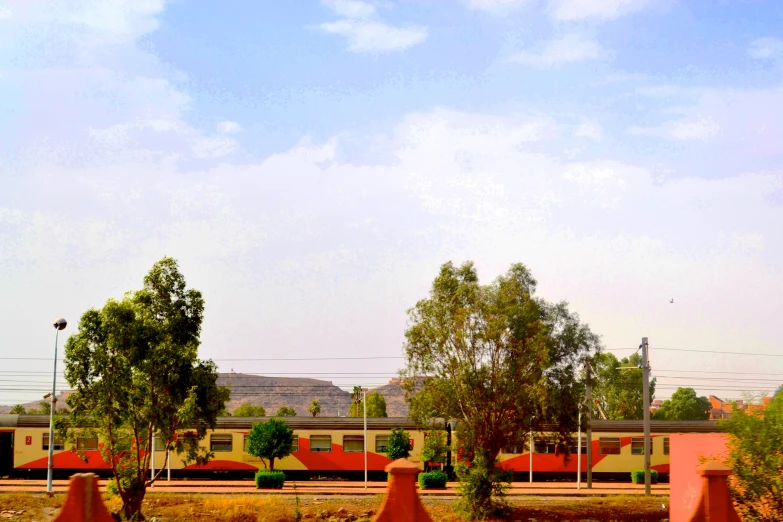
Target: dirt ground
[{"x": 163, "y": 507}]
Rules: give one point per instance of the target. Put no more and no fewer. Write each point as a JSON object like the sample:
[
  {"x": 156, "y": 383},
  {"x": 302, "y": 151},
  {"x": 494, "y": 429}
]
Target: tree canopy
[
  {"x": 315, "y": 408},
  {"x": 135, "y": 370},
  {"x": 250, "y": 410},
  {"x": 285, "y": 411},
  {"x": 18, "y": 410},
  {"x": 756, "y": 460},
  {"x": 270, "y": 440},
  {"x": 684, "y": 405},
  {"x": 496, "y": 358},
  {"x": 376, "y": 406},
  {"x": 399, "y": 444},
  {"x": 618, "y": 386}
]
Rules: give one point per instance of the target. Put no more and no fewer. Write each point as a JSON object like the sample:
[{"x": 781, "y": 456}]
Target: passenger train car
[{"x": 333, "y": 446}]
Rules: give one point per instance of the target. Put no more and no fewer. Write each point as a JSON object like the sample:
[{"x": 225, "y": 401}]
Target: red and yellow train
[{"x": 329, "y": 446}]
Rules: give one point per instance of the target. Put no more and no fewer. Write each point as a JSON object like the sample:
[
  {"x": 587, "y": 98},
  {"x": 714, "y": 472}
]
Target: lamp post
[
  {"x": 364, "y": 400},
  {"x": 59, "y": 324}
]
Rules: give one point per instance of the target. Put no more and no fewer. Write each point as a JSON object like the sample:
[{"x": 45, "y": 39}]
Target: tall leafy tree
[
  {"x": 135, "y": 370},
  {"x": 315, "y": 408},
  {"x": 285, "y": 411},
  {"x": 399, "y": 446},
  {"x": 376, "y": 406},
  {"x": 756, "y": 460},
  {"x": 618, "y": 386},
  {"x": 499, "y": 360},
  {"x": 270, "y": 440},
  {"x": 250, "y": 410},
  {"x": 684, "y": 405},
  {"x": 18, "y": 410}
]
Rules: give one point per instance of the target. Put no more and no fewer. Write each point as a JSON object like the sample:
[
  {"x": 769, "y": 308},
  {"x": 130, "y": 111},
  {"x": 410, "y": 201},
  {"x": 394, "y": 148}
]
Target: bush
[
  {"x": 270, "y": 479},
  {"x": 482, "y": 489},
  {"x": 433, "y": 479},
  {"x": 111, "y": 488},
  {"x": 637, "y": 476}
]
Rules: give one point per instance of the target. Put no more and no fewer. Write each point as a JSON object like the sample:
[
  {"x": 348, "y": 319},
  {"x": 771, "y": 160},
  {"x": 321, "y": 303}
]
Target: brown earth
[{"x": 253, "y": 508}]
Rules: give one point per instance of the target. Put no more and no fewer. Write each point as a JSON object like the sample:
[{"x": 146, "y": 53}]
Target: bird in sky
[{"x": 671, "y": 300}]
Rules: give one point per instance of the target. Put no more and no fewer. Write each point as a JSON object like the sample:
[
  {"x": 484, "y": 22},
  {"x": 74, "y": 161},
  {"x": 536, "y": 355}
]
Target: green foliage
[
  {"x": 399, "y": 444},
  {"x": 315, "y": 408},
  {"x": 270, "y": 479},
  {"x": 250, "y": 410},
  {"x": 433, "y": 479},
  {"x": 684, "y": 405},
  {"x": 756, "y": 461},
  {"x": 618, "y": 386},
  {"x": 637, "y": 476},
  {"x": 135, "y": 370},
  {"x": 482, "y": 489},
  {"x": 498, "y": 360},
  {"x": 18, "y": 410},
  {"x": 376, "y": 406},
  {"x": 270, "y": 440},
  {"x": 435, "y": 447},
  {"x": 285, "y": 411}
]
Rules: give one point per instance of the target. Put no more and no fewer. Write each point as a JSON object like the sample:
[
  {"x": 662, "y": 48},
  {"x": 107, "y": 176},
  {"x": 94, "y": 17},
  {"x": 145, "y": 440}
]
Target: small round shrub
[
  {"x": 270, "y": 479},
  {"x": 637, "y": 476},
  {"x": 111, "y": 488},
  {"x": 433, "y": 479}
]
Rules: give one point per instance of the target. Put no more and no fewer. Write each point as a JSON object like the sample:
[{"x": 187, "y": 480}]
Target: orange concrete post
[
  {"x": 83, "y": 503},
  {"x": 402, "y": 503},
  {"x": 716, "y": 504}
]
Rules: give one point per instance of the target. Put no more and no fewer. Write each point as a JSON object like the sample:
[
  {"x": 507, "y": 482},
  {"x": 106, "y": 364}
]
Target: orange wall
[{"x": 686, "y": 452}]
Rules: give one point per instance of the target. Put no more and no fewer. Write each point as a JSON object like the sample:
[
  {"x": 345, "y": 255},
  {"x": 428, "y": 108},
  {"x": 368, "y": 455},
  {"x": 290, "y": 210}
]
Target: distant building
[
  {"x": 722, "y": 409},
  {"x": 656, "y": 405}
]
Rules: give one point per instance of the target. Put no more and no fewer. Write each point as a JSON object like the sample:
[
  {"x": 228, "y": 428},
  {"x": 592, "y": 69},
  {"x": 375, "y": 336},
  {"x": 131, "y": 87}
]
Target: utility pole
[
  {"x": 589, "y": 428},
  {"x": 646, "y": 393}
]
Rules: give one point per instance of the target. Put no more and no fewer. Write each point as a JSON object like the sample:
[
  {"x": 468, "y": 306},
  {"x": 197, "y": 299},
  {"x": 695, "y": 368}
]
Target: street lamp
[{"x": 59, "y": 324}]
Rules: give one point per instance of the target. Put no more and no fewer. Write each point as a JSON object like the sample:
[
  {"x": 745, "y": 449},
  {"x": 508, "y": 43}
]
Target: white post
[
  {"x": 579, "y": 451},
  {"x": 168, "y": 466},
  {"x": 646, "y": 394},
  {"x": 531, "y": 457},
  {"x": 59, "y": 324},
  {"x": 152, "y": 461},
  {"x": 364, "y": 395}
]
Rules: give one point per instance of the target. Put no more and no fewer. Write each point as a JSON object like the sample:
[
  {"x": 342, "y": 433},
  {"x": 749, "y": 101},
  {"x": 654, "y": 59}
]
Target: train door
[{"x": 6, "y": 453}]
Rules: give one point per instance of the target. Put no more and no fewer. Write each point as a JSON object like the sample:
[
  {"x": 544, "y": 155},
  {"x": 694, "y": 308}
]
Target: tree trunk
[
  {"x": 272, "y": 464},
  {"x": 134, "y": 496}
]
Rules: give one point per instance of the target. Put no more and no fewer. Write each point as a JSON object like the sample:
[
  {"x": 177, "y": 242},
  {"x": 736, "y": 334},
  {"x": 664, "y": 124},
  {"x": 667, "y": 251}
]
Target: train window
[
  {"x": 160, "y": 444},
  {"x": 514, "y": 449},
  {"x": 353, "y": 443},
  {"x": 244, "y": 443},
  {"x": 85, "y": 443},
  {"x": 320, "y": 443},
  {"x": 637, "y": 446},
  {"x": 666, "y": 445},
  {"x": 609, "y": 446},
  {"x": 221, "y": 442},
  {"x": 58, "y": 442},
  {"x": 545, "y": 446},
  {"x": 572, "y": 448},
  {"x": 381, "y": 443},
  {"x": 295, "y": 444}
]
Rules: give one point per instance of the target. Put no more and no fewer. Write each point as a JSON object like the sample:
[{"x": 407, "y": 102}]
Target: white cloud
[
  {"x": 766, "y": 48},
  {"x": 568, "y": 49},
  {"x": 5, "y": 12},
  {"x": 366, "y": 33},
  {"x": 598, "y": 9},
  {"x": 590, "y": 130},
  {"x": 229, "y": 127},
  {"x": 495, "y": 5},
  {"x": 214, "y": 147}
]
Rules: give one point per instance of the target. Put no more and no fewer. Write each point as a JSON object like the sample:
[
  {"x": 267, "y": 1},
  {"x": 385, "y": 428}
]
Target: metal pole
[
  {"x": 152, "y": 461},
  {"x": 50, "y": 466},
  {"x": 168, "y": 466},
  {"x": 579, "y": 451},
  {"x": 364, "y": 396},
  {"x": 589, "y": 429},
  {"x": 646, "y": 389},
  {"x": 530, "y": 478}
]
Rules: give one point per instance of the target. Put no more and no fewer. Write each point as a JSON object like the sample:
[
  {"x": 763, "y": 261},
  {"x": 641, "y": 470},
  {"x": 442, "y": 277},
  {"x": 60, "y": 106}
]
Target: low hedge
[
  {"x": 637, "y": 476},
  {"x": 270, "y": 479},
  {"x": 433, "y": 479}
]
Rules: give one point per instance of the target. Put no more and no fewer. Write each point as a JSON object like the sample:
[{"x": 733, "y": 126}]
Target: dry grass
[{"x": 254, "y": 508}]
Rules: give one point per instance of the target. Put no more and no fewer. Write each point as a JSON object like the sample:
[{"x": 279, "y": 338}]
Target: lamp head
[{"x": 60, "y": 323}]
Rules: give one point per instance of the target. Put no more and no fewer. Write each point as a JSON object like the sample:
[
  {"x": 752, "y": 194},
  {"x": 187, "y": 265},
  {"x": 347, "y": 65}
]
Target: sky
[{"x": 311, "y": 164}]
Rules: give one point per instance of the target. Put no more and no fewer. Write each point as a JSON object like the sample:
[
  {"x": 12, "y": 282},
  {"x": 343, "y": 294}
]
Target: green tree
[
  {"x": 18, "y": 410},
  {"x": 315, "y": 408},
  {"x": 44, "y": 407},
  {"x": 376, "y": 406},
  {"x": 250, "y": 410},
  {"x": 756, "y": 460},
  {"x": 684, "y": 405},
  {"x": 399, "y": 444},
  {"x": 285, "y": 411},
  {"x": 435, "y": 447},
  {"x": 499, "y": 360},
  {"x": 270, "y": 440},
  {"x": 618, "y": 386},
  {"x": 135, "y": 370}
]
